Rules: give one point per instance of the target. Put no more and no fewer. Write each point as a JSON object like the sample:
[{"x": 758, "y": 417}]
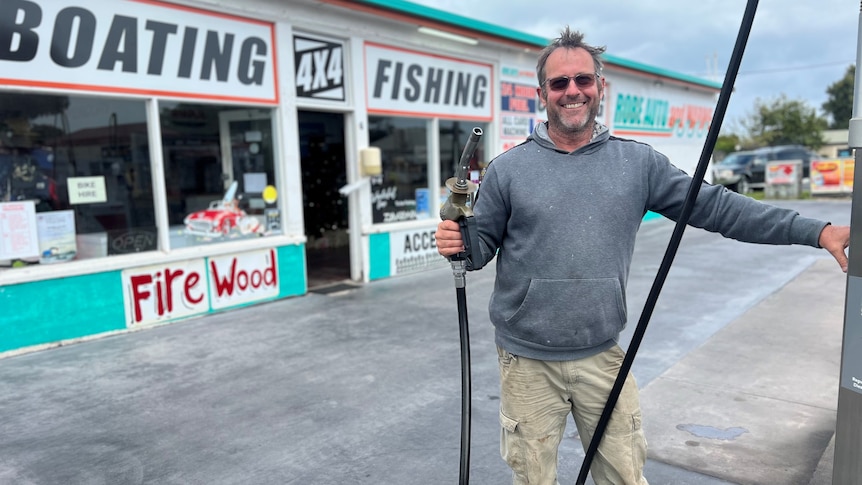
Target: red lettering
[
  {"x": 169, "y": 281},
  {"x": 270, "y": 275},
  {"x": 521, "y": 105},
  {"x": 138, "y": 294},
  {"x": 160, "y": 297},
  {"x": 676, "y": 116},
  {"x": 223, "y": 285},
  {"x": 256, "y": 279},
  {"x": 525, "y": 91},
  {"x": 238, "y": 280},
  {"x": 192, "y": 281}
]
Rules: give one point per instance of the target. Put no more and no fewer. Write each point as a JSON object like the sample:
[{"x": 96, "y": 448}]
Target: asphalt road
[{"x": 361, "y": 387}]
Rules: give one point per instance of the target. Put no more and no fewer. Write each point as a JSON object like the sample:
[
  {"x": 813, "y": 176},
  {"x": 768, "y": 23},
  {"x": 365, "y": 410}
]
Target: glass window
[
  {"x": 453, "y": 138},
  {"x": 83, "y": 163},
  {"x": 219, "y": 172},
  {"x": 400, "y": 193}
]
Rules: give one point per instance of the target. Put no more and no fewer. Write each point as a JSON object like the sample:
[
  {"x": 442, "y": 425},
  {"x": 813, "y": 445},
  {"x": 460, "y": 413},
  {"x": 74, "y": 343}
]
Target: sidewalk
[{"x": 757, "y": 403}]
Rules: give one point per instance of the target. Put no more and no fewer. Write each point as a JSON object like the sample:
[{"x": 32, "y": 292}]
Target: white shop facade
[{"x": 161, "y": 161}]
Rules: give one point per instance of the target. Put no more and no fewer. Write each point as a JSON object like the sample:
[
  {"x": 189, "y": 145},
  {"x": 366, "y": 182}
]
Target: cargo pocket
[{"x": 511, "y": 448}]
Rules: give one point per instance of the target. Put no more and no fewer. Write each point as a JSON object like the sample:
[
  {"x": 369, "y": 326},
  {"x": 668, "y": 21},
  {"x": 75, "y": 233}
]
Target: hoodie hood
[{"x": 540, "y": 136}]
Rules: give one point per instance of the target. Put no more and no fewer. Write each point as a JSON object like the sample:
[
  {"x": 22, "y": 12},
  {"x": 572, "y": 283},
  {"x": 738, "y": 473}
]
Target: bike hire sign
[{"x": 141, "y": 47}]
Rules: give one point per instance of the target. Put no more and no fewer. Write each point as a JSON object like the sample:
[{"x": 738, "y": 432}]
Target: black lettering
[
  {"x": 396, "y": 80},
  {"x": 407, "y": 246},
  {"x": 448, "y": 96},
  {"x": 462, "y": 89},
  {"x": 216, "y": 56},
  {"x": 479, "y": 91},
  {"x": 62, "y": 37},
  {"x": 251, "y": 72},
  {"x": 124, "y": 30},
  {"x": 160, "y": 31},
  {"x": 432, "y": 85},
  {"x": 381, "y": 77},
  {"x": 187, "y": 55},
  {"x": 415, "y": 90},
  {"x": 28, "y": 40}
]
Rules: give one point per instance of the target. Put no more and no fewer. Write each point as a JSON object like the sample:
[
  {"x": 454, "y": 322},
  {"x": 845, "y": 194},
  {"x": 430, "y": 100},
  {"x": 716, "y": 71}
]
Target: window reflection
[
  {"x": 84, "y": 163},
  {"x": 219, "y": 173},
  {"x": 400, "y": 193}
]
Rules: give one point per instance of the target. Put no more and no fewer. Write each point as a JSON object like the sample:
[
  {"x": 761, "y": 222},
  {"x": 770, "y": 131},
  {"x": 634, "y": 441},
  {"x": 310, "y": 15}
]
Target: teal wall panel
[
  {"x": 49, "y": 311},
  {"x": 378, "y": 249},
  {"x": 291, "y": 267}
]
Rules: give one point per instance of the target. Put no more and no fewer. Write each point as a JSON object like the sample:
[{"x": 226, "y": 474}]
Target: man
[{"x": 563, "y": 255}]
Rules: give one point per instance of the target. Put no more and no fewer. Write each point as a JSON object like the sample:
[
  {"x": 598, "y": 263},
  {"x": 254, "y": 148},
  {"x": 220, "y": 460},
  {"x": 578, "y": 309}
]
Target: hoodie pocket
[{"x": 569, "y": 313}]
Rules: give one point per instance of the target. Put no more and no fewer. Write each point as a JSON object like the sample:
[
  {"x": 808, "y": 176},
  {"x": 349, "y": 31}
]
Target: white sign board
[
  {"x": 401, "y": 81},
  {"x": 416, "y": 250},
  {"x": 137, "y": 47},
  {"x": 19, "y": 237},
  {"x": 87, "y": 190}
]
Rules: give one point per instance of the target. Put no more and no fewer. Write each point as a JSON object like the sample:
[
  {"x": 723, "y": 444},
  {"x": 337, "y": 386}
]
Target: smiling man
[{"x": 560, "y": 212}]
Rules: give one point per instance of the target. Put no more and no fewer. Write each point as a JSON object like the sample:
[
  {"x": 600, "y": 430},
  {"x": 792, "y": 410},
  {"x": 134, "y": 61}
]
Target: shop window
[
  {"x": 219, "y": 173},
  {"x": 74, "y": 179},
  {"x": 453, "y": 137},
  {"x": 400, "y": 192}
]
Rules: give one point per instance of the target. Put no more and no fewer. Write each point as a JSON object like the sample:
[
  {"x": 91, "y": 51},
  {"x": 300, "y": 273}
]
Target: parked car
[
  {"x": 744, "y": 171},
  {"x": 757, "y": 170},
  {"x": 732, "y": 169}
]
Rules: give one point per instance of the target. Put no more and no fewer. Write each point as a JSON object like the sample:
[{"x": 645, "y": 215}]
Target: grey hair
[{"x": 569, "y": 39}]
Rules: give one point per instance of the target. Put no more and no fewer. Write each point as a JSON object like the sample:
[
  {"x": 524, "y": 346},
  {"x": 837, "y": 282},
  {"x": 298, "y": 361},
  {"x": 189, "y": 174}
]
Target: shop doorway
[{"x": 324, "y": 171}]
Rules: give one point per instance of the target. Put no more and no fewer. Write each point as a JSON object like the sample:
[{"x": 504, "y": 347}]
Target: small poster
[
  {"x": 87, "y": 190},
  {"x": 56, "y": 236},
  {"x": 18, "y": 236}
]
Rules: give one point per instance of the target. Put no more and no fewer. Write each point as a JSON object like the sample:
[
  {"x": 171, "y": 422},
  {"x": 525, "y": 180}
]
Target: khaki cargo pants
[{"x": 536, "y": 398}]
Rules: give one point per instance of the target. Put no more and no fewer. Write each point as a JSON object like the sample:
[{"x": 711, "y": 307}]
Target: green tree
[
  {"x": 783, "y": 121},
  {"x": 839, "y": 104},
  {"x": 726, "y": 144}
]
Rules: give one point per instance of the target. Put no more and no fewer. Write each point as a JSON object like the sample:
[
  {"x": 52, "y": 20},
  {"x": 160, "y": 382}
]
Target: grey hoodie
[{"x": 563, "y": 225}]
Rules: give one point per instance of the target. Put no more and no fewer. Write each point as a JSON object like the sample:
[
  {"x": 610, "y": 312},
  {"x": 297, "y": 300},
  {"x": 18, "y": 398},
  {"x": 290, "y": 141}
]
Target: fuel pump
[
  {"x": 458, "y": 207},
  {"x": 847, "y": 468}
]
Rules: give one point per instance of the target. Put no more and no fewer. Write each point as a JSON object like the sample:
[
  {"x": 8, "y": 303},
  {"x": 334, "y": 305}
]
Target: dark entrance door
[{"x": 324, "y": 171}]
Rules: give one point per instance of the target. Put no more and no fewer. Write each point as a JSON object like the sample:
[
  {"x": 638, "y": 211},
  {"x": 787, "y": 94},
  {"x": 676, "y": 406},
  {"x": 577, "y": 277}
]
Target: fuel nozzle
[
  {"x": 461, "y": 189},
  {"x": 458, "y": 207}
]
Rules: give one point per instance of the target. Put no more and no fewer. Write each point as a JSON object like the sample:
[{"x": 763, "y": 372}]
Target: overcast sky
[{"x": 796, "y": 47}]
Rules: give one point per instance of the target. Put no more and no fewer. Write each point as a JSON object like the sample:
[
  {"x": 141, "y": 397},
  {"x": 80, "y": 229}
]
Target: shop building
[{"x": 160, "y": 161}]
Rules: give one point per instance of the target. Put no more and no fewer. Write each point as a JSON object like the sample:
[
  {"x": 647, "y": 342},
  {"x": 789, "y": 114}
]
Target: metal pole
[{"x": 846, "y": 466}]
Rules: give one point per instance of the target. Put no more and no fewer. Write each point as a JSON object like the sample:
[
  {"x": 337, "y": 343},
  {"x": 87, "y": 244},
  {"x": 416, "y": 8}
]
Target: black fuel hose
[
  {"x": 466, "y": 398},
  {"x": 673, "y": 245}
]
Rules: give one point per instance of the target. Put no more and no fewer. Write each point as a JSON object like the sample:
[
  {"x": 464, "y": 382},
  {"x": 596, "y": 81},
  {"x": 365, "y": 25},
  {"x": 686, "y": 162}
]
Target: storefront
[{"x": 161, "y": 161}]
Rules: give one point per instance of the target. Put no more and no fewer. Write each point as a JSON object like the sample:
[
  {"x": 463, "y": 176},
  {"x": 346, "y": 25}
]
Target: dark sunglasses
[{"x": 562, "y": 83}]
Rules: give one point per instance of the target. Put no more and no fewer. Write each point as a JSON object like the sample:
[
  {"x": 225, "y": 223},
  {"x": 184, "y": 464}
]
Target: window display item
[{"x": 222, "y": 218}]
